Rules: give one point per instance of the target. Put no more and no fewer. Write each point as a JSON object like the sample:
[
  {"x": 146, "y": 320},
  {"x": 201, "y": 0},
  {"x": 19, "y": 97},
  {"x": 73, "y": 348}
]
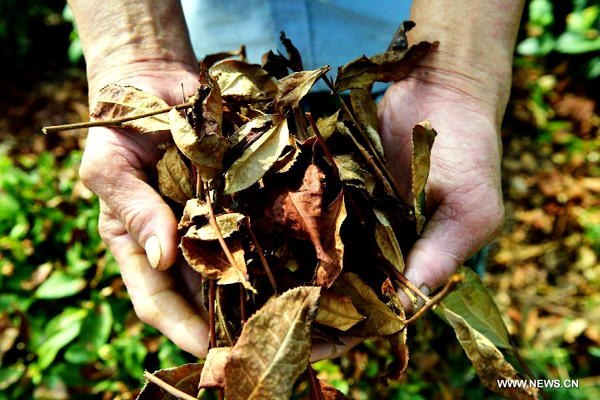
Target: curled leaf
[
  {"x": 184, "y": 378},
  {"x": 174, "y": 177},
  {"x": 365, "y": 112},
  {"x": 243, "y": 81},
  {"x": 422, "y": 142},
  {"x": 228, "y": 224},
  {"x": 292, "y": 88},
  {"x": 337, "y": 311},
  {"x": 333, "y": 218},
  {"x": 213, "y": 373},
  {"x": 386, "y": 240},
  {"x": 274, "y": 347},
  {"x": 259, "y": 156},
  {"x": 209, "y": 260},
  {"x": 118, "y": 101},
  {"x": 353, "y": 173},
  {"x": 196, "y": 212}
]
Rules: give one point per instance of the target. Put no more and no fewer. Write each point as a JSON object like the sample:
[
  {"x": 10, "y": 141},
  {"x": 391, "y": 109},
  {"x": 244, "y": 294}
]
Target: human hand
[{"x": 464, "y": 199}]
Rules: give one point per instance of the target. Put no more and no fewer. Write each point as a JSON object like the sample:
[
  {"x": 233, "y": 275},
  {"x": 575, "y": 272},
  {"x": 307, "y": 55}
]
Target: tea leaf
[
  {"x": 213, "y": 373},
  {"x": 353, "y": 173},
  {"x": 274, "y": 347},
  {"x": 228, "y": 224},
  {"x": 60, "y": 285},
  {"x": 337, "y": 311},
  {"x": 258, "y": 158},
  {"x": 243, "y": 81},
  {"x": 209, "y": 260},
  {"x": 292, "y": 88},
  {"x": 184, "y": 378},
  {"x": 380, "y": 319},
  {"x": 196, "y": 212},
  {"x": 334, "y": 217},
  {"x": 174, "y": 178},
  {"x": 327, "y": 125},
  {"x": 117, "y": 101},
  {"x": 387, "y": 242},
  {"x": 422, "y": 142}
]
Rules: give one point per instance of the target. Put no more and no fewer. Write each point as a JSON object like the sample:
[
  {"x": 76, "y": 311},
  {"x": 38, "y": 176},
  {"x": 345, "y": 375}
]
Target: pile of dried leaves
[{"x": 297, "y": 227}]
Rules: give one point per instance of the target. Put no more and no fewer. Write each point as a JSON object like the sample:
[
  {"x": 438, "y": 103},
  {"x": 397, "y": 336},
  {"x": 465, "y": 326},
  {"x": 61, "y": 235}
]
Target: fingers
[
  {"x": 459, "y": 227},
  {"x": 324, "y": 350},
  {"x": 154, "y": 294},
  {"x": 112, "y": 167}
]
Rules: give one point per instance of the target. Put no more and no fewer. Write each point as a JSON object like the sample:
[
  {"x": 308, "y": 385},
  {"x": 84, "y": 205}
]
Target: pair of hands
[{"x": 463, "y": 194}]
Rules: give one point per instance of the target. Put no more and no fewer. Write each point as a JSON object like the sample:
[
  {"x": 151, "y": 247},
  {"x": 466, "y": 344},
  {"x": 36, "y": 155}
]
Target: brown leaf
[
  {"x": 213, "y": 373},
  {"x": 386, "y": 240},
  {"x": 184, "y": 378},
  {"x": 397, "y": 341},
  {"x": 386, "y": 67},
  {"x": 174, "y": 178},
  {"x": 489, "y": 362},
  {"x": 353, "y": 173},
  {"x": 292, "y": 88},
  {"x": 242, "y": 81},
  {"x": 334, "y": 217},
  {"x": 212, "y": 59},
  {"x": 399, "y": 41},
  {"x": 274, "y": 347},
  {"x": 298, "y": 210},
  {"x": 206, "y": 152},
  {"x": 275, "y": 64},
  {"x": 228, "y": 224},
  {"x": 327, "y": 125},
  {"x": 260, "y": 155},
  {"x": 337, "y": 311},
  {"x": 331, "y": 393},
  {"x": 422, "y": 142},
  {"x": 117, "y": 101},
  {"x": 365, "y": 112},
  {"x": 295, "y": 60},
  {"x": 209, "y": 260},
  {"x": 380, "y": 319},
  {"x": 196, "y": 212}
]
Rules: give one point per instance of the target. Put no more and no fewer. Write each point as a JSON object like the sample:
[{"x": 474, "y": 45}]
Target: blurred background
[{"x": 67, "y": 328}]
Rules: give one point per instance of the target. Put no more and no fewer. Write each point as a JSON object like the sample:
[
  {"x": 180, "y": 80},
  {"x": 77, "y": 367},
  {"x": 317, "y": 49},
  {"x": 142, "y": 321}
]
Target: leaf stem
[
  {"x": 315, "y": 386},
  {"x": 211, "y": 312},
  {"x": 260, "y": 254},
  {"x": 448, "y": 287},
  {"x": 168, "y": 388}
]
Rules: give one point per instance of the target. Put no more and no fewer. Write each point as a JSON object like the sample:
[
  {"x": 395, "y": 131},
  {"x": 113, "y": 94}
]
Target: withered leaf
[
  {"x": 380, "y": 319},
  {"x": 212, "y": 59},
  {"x": 292, "y": 88},
  {"x": 209, "y": 260},
  {"x": 386, "y": 67},
  {"x": 297, "y": 211},
  {"x": 228, "y": 224},
  {"x": 184, "y": 378},
  {"x": 330, "y": 392},
  {"x": 289, "y": 157},
  {"x": 473, "y": 302},
  {"x": 386, "y": 240},
  {"x": 258, "y": 158},
  {"x": 327, "y": 126},
  {"x": 399, "y": 41},
  {"x": 337, "y": 311},
  {"x": 489, "y": 362},
  {"x": 422, "y": 142},
  {"x": 117, "y": 101},
  {"x": 295, "y": 60},
  {"x": 206, "y": 152},
  {"x": 174, "y": 177},
  {"x": 242, "y": 81},
  {"x": 213, "y": 373},
  {"x": 275, "y": 64},
  {"x": 397, "y": 341},
  {"x": 333, "y": 218},
  {"x": 196, "y": 211},
  {"x": 353, "y": 173},
  {"x": 365, "y": 112},
  {"x": 274, "y": 347}
]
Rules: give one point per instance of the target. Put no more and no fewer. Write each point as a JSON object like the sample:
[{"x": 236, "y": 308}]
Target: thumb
[{"x": 113, "y": 169}]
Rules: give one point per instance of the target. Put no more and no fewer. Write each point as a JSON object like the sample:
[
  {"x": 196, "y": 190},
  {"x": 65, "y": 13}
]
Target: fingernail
[
  {"x": 420, "y": 301},
  {"x": 153, "y": 251}
]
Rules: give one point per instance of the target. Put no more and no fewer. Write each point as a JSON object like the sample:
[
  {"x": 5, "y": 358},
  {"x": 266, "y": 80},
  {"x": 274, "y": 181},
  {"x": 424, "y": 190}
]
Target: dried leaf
[
  {"x": 117, "y": 101},
  {"x": 337, "y": 311},
  {"x": 397, "y": 341},
  {"x": 490, "y": 364},
  {"x": 206, "y": 152},
  {"x": 365, "y": 112},
  {"x": 213, "y": 373},
  {"x": 196, "y": 212},
  {"x": 472, "y": 302},
  {"x": 228, "y": 224},
  {"x": 212, "y": 59},
  {"x": 353, "y": 173},
  {"x": 380, "y": 319},
  {"x": 298, "y": 210},
  {"x": 422, "y": 142},
  {"x": 295, "y": 60},
  {"x": 387, "y": 242},
  {"x": 386, "y": 67},
  {"x": 327, "y": 125},
  {"x": 174, "y": 178},
  {"x": 331, "y": 393},
  {"x": 257, "y": 158},
  {"x": 333, "y": 218},
  {"x": 242, "y": 81},
  {"x": 399, "y": 41},
  {"x": 184, "y": 378},
  {"x": 275, "y": 64},
  {"x": 292, "y": 88},
  {"x": 274, "y": 347},
  {"x": 209, "y": 260}
]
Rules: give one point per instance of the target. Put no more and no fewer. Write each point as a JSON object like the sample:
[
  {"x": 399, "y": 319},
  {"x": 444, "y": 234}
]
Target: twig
[
  {"x": 211, "y": 312},
  {"x": 243, "y": 304},
  {"x": 448, "y": 287},
  {"x": 168, "y": 388},
  {"x": 315, "y": 386},
  {"x": 116, "y": 123},
  {"x": 260, "y": 254},
  {"x": 213, "y": 222}
]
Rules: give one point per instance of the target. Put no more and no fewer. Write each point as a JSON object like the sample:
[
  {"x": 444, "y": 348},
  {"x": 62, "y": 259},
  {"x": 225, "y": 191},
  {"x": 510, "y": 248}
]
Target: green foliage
[{"x": 66, "y": 323}]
